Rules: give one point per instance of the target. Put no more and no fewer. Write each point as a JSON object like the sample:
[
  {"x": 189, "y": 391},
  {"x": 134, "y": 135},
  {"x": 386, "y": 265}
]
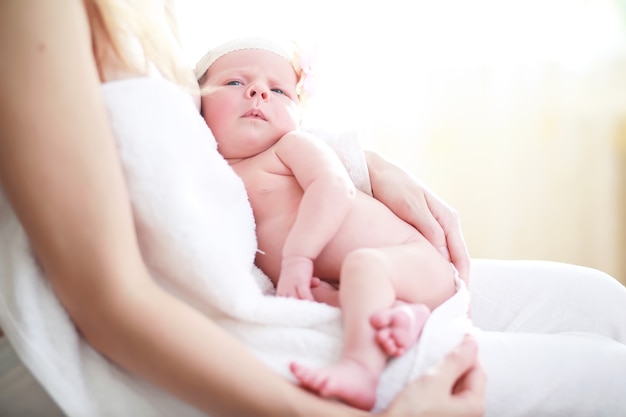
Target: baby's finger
[{"x": 304, "y": 293}]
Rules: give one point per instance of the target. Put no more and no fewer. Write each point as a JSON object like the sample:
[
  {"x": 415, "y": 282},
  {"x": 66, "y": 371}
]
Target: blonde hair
[{"x": 119, "y": 26}]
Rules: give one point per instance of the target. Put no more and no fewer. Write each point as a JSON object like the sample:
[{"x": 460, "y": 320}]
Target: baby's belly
[
  {"x": 271, "y": 236},
  {"x": 369, "y": 224}
]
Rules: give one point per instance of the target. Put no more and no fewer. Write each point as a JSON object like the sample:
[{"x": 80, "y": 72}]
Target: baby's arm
[{"x": 327, "y": 199}]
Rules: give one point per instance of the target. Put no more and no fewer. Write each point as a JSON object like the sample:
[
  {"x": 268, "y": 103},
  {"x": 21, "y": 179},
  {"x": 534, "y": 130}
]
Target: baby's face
[{"x": 250, "y": 101}]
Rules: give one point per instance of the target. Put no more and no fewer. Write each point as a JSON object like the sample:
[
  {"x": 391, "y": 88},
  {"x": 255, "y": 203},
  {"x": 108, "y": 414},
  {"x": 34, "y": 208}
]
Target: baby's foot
[
  {"x": 399, "y": 326},
  {"x": 347, "y": 380},
  {"x": 325, "y": 292}
]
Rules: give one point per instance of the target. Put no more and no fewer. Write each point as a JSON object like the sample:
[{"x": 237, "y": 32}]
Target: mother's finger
[
  {"x": 470, "y": 391},
  {"x": 472, "y": 383},
  {"x": 458, "y": 361},
  {"x": 449, "y": 222},
  {"x": 424, "y": 221},
  {"x": 459, "y": 254}
]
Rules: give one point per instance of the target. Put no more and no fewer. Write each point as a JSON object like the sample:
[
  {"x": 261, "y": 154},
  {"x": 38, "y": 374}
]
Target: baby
[{"x": 315, "y": 231}]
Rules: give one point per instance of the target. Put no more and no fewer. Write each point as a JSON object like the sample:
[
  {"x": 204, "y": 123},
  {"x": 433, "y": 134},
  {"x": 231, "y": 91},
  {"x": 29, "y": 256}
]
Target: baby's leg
[
  {"x": 367, "y": 286},
  {"x": 327, "y": 293},
  {"x": 423, "y": 280}
]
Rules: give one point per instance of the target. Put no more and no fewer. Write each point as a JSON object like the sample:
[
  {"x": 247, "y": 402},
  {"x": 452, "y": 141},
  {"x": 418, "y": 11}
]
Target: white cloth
[
  {"x": 547, "y": 348},
  {"x": 552, "y": 339},
  {"x": 196, "y": 233}
]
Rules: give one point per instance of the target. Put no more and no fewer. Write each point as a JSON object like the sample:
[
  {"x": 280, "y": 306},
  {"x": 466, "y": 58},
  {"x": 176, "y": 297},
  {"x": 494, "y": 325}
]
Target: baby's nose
[{"x": 258, "y": 88}]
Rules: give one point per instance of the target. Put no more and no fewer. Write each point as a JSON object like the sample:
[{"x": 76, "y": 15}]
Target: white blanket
[{"x": 196, "y": 232}]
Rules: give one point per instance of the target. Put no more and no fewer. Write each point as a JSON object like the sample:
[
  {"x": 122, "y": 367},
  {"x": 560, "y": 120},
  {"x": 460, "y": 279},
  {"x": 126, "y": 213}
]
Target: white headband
[{"x": 239, "y": 44}]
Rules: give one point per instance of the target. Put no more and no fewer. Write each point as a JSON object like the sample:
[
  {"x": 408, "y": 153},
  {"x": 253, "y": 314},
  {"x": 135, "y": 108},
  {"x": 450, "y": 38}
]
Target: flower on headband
[{"x": 304, "y": 63}]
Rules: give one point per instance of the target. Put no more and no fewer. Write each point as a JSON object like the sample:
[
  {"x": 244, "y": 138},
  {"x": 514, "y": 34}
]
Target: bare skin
[
  {"x": 312, "y": 222},
  {"x": 396, "y": 328},
  {"x": 419, "y": 206},
  {"x": 60, "y": 169},
  {"x": 399, "y": 326},
  {"x": 388, "y": 270}
]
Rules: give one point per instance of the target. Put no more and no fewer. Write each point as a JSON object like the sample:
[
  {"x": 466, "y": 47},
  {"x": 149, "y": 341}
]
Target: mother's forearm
[
  {"x": 393, "y": 186},
  {"x": 416, "y": 204},
  {"x": 165, "y": 341},
  {"x": 381, "y": 174}
]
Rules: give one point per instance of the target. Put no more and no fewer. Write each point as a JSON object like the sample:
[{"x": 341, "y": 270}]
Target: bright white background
[{"x": 514, "y": 111}]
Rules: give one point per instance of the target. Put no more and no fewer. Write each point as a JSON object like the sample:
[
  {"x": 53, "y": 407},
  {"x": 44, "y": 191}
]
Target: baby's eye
[
  {"x": 234, "y": 83},
  {"x": 278, "y": 90}
]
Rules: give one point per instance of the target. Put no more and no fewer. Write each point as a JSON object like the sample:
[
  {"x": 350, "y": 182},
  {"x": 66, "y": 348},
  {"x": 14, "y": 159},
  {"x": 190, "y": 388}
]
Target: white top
[{"x": 196, "y": 233}]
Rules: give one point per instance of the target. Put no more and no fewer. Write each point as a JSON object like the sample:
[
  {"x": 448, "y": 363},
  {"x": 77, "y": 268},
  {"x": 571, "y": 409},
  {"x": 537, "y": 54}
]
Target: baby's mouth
[{"x": 255, "y": 114}]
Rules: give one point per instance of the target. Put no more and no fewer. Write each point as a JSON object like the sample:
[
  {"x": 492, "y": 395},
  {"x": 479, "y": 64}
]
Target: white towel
[{"x": 196, "y": 233}]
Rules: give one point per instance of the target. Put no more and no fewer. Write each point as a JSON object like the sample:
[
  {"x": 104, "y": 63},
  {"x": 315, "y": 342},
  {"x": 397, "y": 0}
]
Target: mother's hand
[
  {"x": 453, "y": 388},
  {"x": 413, "y": 202}
]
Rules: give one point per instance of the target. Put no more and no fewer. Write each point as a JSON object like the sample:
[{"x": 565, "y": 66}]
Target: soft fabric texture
[
  {"x": 552, "y": 339},
  {"x": 238, "y": 44},
  {"x": 302, "y": 62},
  {"x": 196, "y": 233},
  {"x": 547, "y": 348}
]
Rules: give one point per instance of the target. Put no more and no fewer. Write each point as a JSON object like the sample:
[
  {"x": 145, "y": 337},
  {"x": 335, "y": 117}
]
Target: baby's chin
[{"x": 250, "y": 142}]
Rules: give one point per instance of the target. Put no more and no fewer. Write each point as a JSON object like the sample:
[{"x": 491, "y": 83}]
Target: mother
[
  {"x": 61, "y": 172},
  {"x": 81, "y": 233}
]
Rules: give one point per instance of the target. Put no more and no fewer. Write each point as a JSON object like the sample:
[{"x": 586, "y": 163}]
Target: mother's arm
[
  {"x": 413, "y": 202},
  {"x": 60, "y": 169}
]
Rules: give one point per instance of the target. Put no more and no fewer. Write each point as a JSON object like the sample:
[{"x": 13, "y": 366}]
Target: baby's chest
[
  {"x": 272, "y": 188},
  {"x": 269, "y": 190},
  {"x": 266, "y": 174}
]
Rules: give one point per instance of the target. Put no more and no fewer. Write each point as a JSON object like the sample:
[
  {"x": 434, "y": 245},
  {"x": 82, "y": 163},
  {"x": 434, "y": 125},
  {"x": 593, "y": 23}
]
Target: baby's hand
[{"x": 296, "y": 274}]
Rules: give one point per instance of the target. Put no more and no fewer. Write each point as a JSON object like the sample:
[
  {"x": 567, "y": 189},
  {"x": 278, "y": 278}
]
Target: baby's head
[
  {"x": 301, "y": 64},
  {"x": 251, "y": 91}
]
